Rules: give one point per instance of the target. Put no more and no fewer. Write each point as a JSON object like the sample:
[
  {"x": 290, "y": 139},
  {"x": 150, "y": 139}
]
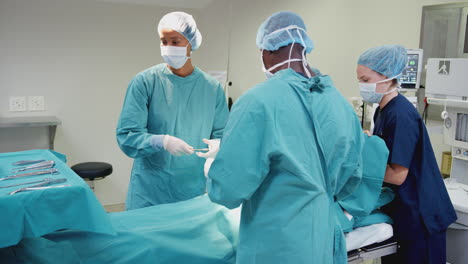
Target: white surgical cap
[{"x": 184, "y": 24}]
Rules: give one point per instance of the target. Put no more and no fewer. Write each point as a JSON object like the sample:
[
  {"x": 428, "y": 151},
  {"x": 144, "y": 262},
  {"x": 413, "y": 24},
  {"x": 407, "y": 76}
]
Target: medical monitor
[{"x": 410, "y": 78}]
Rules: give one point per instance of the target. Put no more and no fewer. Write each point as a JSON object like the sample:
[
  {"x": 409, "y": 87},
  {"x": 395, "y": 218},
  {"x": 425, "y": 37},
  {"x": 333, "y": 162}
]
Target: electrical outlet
[
  {"x": 36, "y": 103},
  {"x": 17, "y": 103}
]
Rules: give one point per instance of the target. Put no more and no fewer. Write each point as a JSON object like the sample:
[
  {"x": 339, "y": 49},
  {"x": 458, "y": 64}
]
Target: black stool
[{"x": 91, "y": 171}]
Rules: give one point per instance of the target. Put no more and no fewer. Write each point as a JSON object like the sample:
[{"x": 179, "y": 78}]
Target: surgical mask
[
  {"x": 268, "y": 72},
  {"x": 369, "y": 93},
  {"x": 174, "y": 56}
]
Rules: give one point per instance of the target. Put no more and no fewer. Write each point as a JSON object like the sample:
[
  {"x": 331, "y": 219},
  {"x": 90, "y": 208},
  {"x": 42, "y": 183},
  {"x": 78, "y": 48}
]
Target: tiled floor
[
  {"x": 372, "y": 261},
  {"x": 114, "y": 208}
]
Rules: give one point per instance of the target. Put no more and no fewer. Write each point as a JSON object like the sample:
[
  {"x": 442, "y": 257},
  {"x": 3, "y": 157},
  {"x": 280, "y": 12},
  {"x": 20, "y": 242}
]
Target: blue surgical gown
[
  {"x": 291, "y": 148},
  {"x": 422, "y": 207},
  {"x": 159, "y": 102}
]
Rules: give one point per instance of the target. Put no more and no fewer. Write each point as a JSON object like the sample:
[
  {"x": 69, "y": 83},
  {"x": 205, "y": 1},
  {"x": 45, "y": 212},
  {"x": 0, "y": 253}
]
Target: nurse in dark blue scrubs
[{"x": 422, "y": 209}]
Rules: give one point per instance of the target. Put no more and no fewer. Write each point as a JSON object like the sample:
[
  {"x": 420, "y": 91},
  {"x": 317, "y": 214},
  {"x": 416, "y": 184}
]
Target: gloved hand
[
  {"x": 207, "y": 166},
  {"x": 176, "y": 146},
  {"x": 213, "y": 148}
]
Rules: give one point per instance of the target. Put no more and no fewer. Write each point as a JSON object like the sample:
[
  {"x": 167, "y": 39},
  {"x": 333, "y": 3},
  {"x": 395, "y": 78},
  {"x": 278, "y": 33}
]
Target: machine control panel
[{"x": 460, "y": 153}]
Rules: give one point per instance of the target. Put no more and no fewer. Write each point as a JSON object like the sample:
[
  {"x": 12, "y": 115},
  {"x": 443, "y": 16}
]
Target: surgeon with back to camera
[
  {"x": 422, "y": 210},
  {"x": 168, "y": 110},
  {"x": 291, "y": 148}
]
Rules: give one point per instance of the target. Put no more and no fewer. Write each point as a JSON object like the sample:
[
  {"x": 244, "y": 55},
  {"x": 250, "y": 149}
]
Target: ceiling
[{"x": 165, "y": 3}]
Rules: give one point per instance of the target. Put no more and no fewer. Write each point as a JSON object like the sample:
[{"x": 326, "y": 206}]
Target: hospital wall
[{"x": 81, "y": 55}]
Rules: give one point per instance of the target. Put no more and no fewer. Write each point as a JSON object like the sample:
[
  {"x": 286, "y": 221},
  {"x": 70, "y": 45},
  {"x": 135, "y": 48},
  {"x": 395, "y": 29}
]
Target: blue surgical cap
[
  {"x": 267, "y": 39},
  {"x": 184, "y": 24},
  {"x": 388, "y": 60}
]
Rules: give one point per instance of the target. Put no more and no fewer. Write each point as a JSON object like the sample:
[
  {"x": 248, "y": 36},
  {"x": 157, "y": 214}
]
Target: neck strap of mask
[
  {"x": 389, "y": 79},
  {"x": 304, "y": 61},
  {"x": 282, "y": 63}
]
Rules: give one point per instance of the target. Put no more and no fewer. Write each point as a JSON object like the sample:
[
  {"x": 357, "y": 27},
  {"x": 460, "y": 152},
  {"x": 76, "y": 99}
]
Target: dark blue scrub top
[{"x": 422, "y": 203}]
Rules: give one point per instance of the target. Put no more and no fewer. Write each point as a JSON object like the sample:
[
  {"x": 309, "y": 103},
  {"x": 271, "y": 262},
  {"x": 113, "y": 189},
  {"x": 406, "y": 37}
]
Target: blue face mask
[
  {"x": 369, "y": 93},
  {"x": 174, "y": 56}
]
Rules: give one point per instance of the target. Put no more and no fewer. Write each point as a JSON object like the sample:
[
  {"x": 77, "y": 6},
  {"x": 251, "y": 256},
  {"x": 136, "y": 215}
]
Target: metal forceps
[
  {"x": 40, "y": 186},
  {"x": 26, "y": 162},
  {"x": 41, "y": 165},
  {"x": 34, "y": 173},
  {"x": 45, "y": 187},
  {"x": 25, "y": 183}
]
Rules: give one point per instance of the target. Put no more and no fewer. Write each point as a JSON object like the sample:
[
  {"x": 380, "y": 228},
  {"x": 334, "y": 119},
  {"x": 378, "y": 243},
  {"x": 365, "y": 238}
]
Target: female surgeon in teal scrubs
[
  {"x": 422, "y": 209},
  {"x": 168, "y": 110}
]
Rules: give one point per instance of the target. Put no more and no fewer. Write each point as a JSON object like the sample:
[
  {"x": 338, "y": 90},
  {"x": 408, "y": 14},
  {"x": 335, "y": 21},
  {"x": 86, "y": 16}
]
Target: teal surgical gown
[
  {"x": 364, "y": 202},
  {"x": 291, "y": 148},
  {"x": 159, "y": 102}
]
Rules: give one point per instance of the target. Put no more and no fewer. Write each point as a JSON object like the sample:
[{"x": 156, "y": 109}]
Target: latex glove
[
  {"x": 213, "y": 148},
  {"x": 176, "y": 146},
  {"x": 207, "y": 166}
]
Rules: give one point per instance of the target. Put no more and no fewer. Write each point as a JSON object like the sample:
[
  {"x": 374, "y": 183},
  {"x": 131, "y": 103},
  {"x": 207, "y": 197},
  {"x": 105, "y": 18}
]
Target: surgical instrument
[
  {"x": 50, "y": 171},
  {"x": 26, "y": 162},
  {"x": 42, "y": 165},
  {"x": 24, "y": 183},
  {"x": 41, "y": 188},
  {"x": 203, "y": 149},
  {"x": 39, "y": 185}
]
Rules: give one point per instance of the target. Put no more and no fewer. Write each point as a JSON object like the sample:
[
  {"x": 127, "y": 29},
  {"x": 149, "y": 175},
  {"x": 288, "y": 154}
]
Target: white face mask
[
  {"x": 174, "y": 56},
  {"x": 268, "y": 72},
  {"x": 369, "y": 93}
]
